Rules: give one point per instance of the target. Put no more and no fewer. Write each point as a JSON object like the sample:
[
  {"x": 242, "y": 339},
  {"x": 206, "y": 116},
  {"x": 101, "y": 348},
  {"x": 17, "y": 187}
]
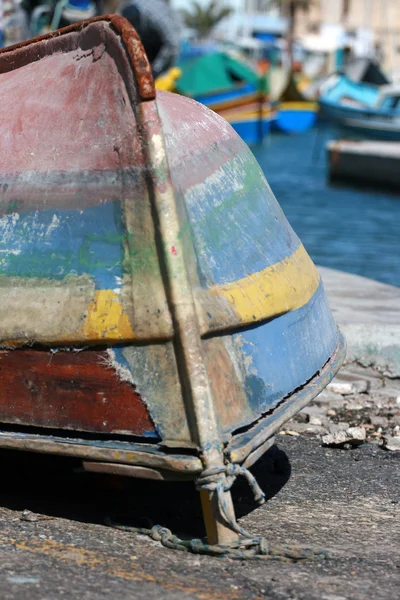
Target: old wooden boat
[{"x": 159, "y": 316}]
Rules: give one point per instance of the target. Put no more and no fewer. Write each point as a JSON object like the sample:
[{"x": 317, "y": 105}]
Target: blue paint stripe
[
  {"x": 296, "y": 121},
  {"x": 56, "y": 243},
  {"x": 284, "y": 353},
  {"x": 237, "y": 224}
]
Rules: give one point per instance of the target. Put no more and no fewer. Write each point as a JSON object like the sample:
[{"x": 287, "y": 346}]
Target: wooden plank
[
  {"x": 69, "y": 390},
  {"x": 134, "y": 471},
  {"x": 217, "y": 531},
  {"x": 116, "y": 451}
]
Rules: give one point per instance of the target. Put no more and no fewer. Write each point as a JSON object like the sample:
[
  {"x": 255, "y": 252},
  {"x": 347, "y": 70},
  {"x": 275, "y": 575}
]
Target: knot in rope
[
  {"x": 221, "y": 479},
  {"x": 160, "y": 534}
]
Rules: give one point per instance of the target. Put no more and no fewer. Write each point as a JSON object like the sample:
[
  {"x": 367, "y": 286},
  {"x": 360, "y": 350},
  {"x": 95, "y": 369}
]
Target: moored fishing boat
[
  {"x": 294, "y": 113},
  {"x": 296, "y": 116},
  {"x": 160, "y": 318},
  {"x": 367, "y": 109}
]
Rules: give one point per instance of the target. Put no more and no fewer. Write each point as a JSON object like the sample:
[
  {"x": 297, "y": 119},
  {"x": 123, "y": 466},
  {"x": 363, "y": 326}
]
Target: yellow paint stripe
[
  {"x": 106, "y": 319},
  {"x": 237, "y": 101},
  {"x": 280, "y": 288},
  {"x": 247, "y": 115},
  {"x": 298, "y": 106},
  {"x": 245, "y": 119}
]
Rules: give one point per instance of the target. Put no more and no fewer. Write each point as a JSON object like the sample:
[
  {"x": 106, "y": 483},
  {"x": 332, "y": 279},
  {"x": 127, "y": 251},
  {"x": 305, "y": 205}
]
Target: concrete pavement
[
  {"x": 368, "y": 313},
  {"x": 346, "y": 502}
]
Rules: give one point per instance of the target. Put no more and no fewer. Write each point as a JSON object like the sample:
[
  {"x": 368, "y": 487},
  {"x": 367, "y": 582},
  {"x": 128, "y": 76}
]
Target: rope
[
  {"x": 219, "y": 480},
  {"x": 247, "y": 549}
]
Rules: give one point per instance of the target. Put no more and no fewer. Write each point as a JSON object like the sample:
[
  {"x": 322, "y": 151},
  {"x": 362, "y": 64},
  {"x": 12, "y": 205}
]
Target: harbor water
[{"x": 343, "y": 227}]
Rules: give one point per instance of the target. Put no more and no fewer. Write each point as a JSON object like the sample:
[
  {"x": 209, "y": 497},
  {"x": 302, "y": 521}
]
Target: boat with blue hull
[
  {"x": 296, "y": 117},
  {"x": 293, "y": 112},
  {"x": 159, "y": 314},
  {"x": 370, "y": 110}
]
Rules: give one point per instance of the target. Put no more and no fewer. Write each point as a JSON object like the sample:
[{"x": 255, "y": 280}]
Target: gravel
[{"x": 360, "y": 405}]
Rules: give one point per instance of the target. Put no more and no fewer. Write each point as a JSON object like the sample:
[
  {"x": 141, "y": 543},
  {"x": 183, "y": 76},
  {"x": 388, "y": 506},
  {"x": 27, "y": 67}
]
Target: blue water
[{"x": 343, "y": 227}]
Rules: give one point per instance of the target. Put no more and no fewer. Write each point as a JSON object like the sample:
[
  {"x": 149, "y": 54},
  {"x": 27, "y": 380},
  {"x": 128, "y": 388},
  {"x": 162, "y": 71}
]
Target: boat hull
[
  {"x": 296, "y": 117},
  {"x": 243, "y": 240},
  {"x": 145, "y": 257},
  {"x": 356, "y": 106}
]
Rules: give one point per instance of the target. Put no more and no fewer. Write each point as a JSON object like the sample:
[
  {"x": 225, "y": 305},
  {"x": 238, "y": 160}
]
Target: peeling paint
[
  {"x": 123, "y": 372},
  {"x": 80, "y": 269},
  {"x": 155, "y": 371}
]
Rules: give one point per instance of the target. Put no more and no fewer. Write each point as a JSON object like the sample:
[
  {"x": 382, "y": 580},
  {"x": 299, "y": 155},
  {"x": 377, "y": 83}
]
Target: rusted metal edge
[
  {"x": 134, "y": 48},
  {"x": 244, "y": 444},
  {"x": 149, "y": 456},
  {"x": 137, "y": 56}
]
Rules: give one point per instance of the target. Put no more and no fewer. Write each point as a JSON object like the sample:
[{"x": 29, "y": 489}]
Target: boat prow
[{"x": 158, "y": 311}]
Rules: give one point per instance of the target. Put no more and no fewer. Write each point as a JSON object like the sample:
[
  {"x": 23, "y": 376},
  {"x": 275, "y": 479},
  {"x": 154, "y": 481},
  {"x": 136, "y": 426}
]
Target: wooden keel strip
[
  {"x": 134, "y": 454},
  {"x": 134, "y": 471}
]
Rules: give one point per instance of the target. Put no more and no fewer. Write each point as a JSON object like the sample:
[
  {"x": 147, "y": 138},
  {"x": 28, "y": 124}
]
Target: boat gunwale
[
  {"x": 121, "y": 26},
  {"x": 361, "y": 113}
]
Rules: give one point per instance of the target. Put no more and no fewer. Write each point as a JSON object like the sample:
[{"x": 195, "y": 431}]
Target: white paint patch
[
  {"x": 55, "y": 222},
  {"x": 159, "y": 153},
  {"x": 118, "y": 281},
  {"x": 123, "y": 373},
  {"x": 235, "y": 356},
  {"x": 247, "y": 359},
  {"x": 7, "y": 232}
]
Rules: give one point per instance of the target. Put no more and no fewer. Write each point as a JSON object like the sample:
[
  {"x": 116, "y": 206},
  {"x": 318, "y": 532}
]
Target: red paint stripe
[{"x": 69, "y": 390}]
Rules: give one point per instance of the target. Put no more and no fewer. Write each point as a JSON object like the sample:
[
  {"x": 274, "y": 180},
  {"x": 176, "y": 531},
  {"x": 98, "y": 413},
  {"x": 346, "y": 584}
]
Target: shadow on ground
[
  {"x": 58, "y": 487},
  {"x": 346, "y": 502}
]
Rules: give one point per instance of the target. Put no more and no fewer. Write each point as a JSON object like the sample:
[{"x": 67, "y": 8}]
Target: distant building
[{"x": 372, "y": 27}]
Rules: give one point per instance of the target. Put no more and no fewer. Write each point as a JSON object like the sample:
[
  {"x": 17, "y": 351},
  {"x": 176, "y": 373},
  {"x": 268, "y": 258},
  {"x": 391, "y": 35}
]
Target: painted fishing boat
[
  {"x": 160, "y": 318},
  {"x": 367, "y": 109},
  {"x": 294, "y": 113},
  {"x": 230, "y": 88}
]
